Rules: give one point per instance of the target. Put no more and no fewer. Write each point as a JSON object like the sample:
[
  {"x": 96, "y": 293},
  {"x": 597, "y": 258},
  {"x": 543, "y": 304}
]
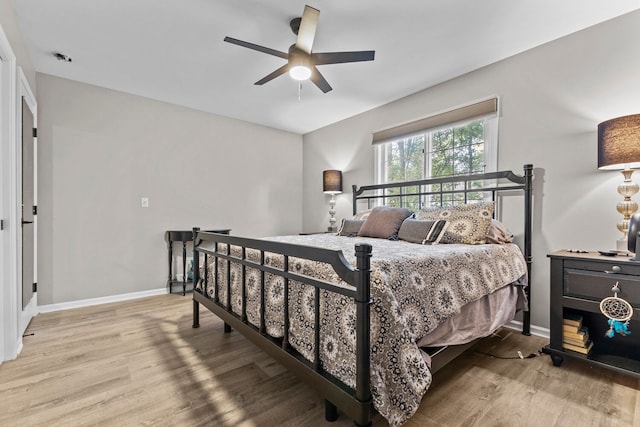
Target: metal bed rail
[{"x": 232, "y": 250}]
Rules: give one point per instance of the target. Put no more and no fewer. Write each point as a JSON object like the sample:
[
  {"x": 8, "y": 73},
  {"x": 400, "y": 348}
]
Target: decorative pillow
[
  {"x": 423, "y": 232},
  {"x": 362, "y": 214},
  {"x": 350, "y": 227},
  {"x": 467, "y": 223},
  {"x": 498, "y": 233},
  {"x": 384, "y": 222}
]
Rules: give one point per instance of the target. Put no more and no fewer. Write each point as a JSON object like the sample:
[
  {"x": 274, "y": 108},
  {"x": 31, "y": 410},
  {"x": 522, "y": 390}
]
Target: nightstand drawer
[
  {"x": 596, "y": 285},
  {"x": 621, "y": 267}
]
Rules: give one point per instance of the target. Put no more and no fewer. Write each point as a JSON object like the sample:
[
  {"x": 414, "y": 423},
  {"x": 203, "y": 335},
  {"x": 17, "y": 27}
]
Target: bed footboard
[{"x": 355, "y": 403}]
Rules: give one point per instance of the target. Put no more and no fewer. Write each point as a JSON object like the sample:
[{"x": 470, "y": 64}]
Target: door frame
[
  {"x": 10, "y": 339},
  {"x": 24, "y": 90}
]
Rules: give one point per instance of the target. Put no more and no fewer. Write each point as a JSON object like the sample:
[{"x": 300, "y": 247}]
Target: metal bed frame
[{"x": 355, "y": 403}]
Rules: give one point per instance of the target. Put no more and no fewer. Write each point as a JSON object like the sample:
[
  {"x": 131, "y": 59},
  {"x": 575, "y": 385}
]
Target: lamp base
[
  {"x": 332, "y": 214},
  {"x": 332, "y": 229}
]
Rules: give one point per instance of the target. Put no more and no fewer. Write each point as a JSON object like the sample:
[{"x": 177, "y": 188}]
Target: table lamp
[
  {"x": 332, "y": 184},
  {"x": 619, "y": 149}
]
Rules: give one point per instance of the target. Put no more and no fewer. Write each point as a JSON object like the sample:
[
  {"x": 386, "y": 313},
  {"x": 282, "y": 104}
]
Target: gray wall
[
  {"x": 9, "y": 24},
  {"x": 100, "y": 151},
  {"x": 552, "y": 99}
]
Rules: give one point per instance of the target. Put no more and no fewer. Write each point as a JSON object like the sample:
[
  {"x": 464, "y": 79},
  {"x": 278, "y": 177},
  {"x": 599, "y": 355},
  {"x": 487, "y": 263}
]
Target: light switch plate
[{"x": 144, "y": 202}]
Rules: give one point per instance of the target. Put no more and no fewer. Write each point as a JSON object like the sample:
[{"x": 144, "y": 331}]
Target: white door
[
  {"x": 28, "y": 300},
  {"x": 4, "y": 276},
  {"x": 10, "y": 338}
]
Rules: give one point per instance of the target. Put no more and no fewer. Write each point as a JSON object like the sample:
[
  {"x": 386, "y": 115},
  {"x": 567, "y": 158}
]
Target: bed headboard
[
  {"x": 451, "y": 190},
  {"x": 455, "y": 190}
]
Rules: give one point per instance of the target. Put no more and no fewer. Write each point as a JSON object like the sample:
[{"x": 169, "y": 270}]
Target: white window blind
[{"x": 469, "y": 112}]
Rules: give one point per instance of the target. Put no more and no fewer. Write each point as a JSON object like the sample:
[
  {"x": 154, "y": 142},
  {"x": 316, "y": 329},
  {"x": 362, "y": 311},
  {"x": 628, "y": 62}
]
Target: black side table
[{"x": 183, "y": 236}]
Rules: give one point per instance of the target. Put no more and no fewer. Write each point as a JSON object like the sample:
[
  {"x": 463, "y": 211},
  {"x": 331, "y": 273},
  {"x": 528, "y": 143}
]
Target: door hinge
[
  {"x": 35, "y": 210},
  {"x": 1, "y": 224},
  {"x": 35, "y": 287},
  {"x": 35, "y": 132}
]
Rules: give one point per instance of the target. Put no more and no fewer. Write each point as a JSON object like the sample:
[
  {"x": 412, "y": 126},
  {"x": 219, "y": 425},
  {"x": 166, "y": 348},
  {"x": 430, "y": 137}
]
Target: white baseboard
[
  {"x": 102, "y": 300},
  {"x": 535, "y": 330}
]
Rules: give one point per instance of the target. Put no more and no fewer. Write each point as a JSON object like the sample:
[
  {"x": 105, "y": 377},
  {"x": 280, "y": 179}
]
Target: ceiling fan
[{"x": 301, "y": 61}]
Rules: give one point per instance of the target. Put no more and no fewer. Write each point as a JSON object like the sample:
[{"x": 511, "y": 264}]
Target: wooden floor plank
[{"x": 140, "y": 363}]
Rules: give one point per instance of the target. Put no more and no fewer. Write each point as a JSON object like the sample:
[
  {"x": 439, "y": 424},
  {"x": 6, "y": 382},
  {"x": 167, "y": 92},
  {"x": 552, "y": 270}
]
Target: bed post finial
[
  {"x": 363, "y": 332},
  {"x": 354, "y": 190}
]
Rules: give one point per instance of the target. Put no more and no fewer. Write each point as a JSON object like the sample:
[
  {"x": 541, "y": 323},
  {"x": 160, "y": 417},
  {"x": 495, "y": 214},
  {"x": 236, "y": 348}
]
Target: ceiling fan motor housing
[
  {"x": 299, "y": 63},
  {"x": 298, "y": 57}
]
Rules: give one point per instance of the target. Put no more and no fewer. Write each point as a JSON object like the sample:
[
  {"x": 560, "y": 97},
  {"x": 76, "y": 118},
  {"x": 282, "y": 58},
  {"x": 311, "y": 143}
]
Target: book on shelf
[
  {"x": 572, "y": 319},
  {"x": 577, "y": 348},
  {"x": 574, "y": 341},
  {"x": 581, "y": 335},
  {"x": 572, "y": 329}
]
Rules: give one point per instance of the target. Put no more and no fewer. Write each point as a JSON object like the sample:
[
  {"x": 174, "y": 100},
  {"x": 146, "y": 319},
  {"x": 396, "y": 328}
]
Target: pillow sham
[
  {"x": 384, "y": 222},
  {"x": 362, "y": 215},
  {"x": 350, "y": 227},
  {"x": 468, "y": 224},
  {"x": 498, "y": 233},
  {"x": 424, "y": 232}
]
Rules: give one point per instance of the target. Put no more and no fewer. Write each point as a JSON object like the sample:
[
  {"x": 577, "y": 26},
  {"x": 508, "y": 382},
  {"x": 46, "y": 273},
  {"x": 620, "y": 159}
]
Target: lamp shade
[
  {"x": 619, "y": 143},
  {"x": 332, "y": 181}
]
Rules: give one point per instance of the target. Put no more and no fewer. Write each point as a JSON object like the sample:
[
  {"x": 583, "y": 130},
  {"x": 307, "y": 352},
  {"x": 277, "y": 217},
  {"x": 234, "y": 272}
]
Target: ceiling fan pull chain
[{"x": 299, "y": 91}]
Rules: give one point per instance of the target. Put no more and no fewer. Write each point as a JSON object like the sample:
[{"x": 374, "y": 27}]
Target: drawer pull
[{"x": 614, "y": 270}]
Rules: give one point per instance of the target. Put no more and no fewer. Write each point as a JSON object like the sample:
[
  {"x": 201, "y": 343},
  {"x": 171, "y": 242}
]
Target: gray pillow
[
  {"x": 350, "y": 227},
  {"x": 384, "y": 222},
  {"x": 423, "y": 232}
]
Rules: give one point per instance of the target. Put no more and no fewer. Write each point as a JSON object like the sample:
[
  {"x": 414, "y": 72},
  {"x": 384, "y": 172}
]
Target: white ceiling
[{"x": 173, "y": 50}]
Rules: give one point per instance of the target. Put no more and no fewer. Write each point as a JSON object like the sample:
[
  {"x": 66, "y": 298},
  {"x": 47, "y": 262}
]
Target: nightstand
[
  {"x": 183, "y": 236},
  {"x": 579, "y": 281}
]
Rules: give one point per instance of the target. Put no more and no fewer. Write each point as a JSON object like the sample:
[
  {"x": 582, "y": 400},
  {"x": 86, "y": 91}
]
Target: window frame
[{"x": 490, "y": 146}]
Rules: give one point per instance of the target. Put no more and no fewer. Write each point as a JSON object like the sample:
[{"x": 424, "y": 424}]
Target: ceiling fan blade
[
  {"x": 257, "y": 47},
  {"x": 280, "y": 71},
  {"x": 341, "y": 57},
  {"x": 320, "y": 81},
  {"x": 307, "y": 30}
]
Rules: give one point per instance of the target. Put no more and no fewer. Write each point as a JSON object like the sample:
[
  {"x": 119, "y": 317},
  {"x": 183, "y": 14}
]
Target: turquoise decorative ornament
[{"x": 617, "y": 327}]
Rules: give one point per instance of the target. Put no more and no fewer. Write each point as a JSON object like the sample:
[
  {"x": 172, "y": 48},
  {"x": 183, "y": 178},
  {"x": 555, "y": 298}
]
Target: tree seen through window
[{"x": 456, "y": 150}]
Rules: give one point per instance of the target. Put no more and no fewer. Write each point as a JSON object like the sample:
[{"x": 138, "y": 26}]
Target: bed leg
[
  {"x": 330, "y": 411},
  {"x": 227, "y": 328},
  {"x": 196, "y": 314},
  {"x": 196, "y": 277},
  {"x": 526, "y": 323}
]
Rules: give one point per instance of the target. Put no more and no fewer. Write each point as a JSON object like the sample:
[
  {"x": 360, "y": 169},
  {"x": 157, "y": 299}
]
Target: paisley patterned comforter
[{"x": 414, "y": 288}]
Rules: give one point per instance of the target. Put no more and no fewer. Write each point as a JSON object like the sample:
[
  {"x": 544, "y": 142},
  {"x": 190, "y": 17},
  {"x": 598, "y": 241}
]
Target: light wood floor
[{"x": 140, "y": 363}]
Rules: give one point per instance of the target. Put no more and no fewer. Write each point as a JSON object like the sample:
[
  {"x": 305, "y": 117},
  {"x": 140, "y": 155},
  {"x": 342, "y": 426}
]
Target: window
[{"x": 461, "y": 148}]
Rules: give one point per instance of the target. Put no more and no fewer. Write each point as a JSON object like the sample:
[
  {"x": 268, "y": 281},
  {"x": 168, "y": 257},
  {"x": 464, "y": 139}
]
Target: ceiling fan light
[{"x": 300, "y": 72}]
